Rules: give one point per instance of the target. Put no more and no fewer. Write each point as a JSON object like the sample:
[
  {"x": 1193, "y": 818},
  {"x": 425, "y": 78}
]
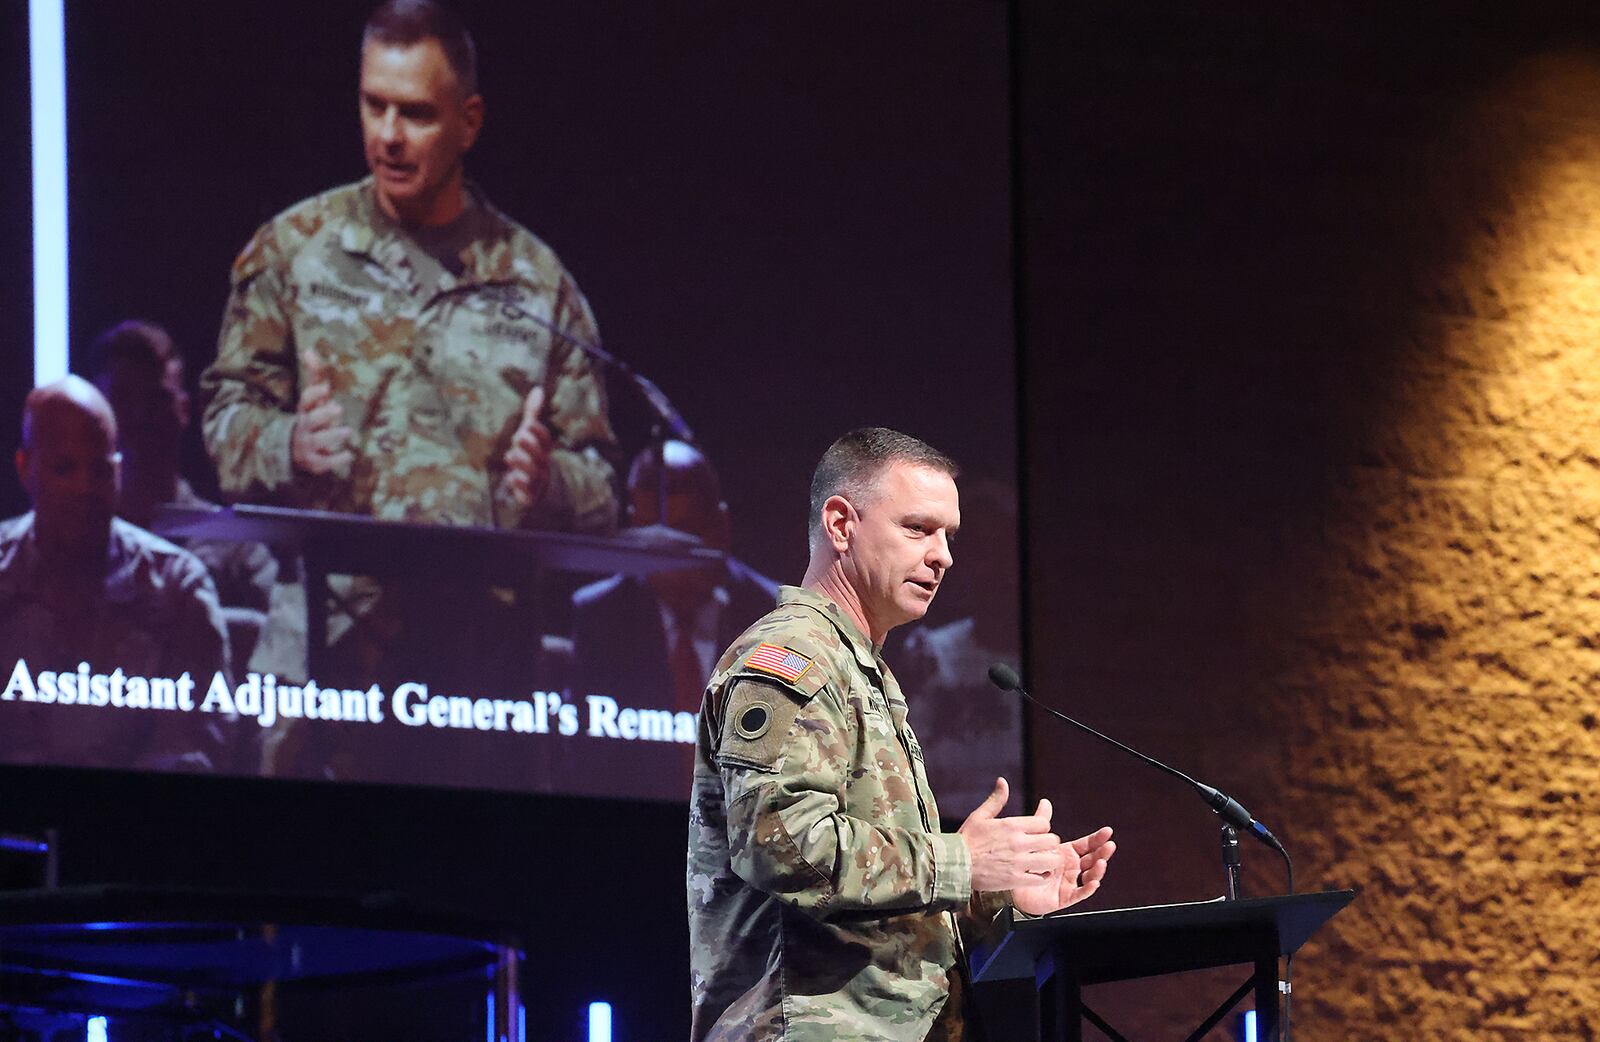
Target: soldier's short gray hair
[
  {"x": 402, "y": 23},
  {"x": 852, "y": 466}
]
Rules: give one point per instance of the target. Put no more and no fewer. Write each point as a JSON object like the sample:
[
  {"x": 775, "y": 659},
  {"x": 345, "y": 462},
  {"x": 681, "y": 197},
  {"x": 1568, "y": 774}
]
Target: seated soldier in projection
[
  {"x": 137, "y": 368},
  {"x": 651, "y": 642},
  {"x": 107, "y": 633}
]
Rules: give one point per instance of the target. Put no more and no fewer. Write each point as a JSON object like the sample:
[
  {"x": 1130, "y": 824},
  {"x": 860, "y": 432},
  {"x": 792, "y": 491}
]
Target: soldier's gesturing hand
[
  {"x": 1008, "y": 853},
  {"x": 528, "y": 459},
  {"x": 1078, "y": 878},
  {"x": 319, "y": 443}
]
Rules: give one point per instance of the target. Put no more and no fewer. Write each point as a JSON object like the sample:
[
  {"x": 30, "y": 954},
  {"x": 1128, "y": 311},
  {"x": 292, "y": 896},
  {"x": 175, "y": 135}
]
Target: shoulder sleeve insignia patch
[
  {"x": 778, "y": 661},
  {"x": 753, "y": 720}
]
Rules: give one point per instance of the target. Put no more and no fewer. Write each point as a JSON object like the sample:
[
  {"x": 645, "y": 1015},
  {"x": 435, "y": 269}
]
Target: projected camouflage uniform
[
  {"x": 430, "y": 365},
  {"x": 431, "y": 340},
  {"x": 823, "y": 900}
]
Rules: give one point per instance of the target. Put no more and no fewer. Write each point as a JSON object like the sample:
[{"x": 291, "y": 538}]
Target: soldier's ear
[
  {"x": 837, "y": 518},
  {"x": 472, "y": 117}
]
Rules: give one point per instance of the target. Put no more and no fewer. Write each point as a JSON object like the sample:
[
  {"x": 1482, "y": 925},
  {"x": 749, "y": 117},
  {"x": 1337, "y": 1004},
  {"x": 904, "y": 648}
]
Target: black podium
[{"x": 1062, "y": 953}]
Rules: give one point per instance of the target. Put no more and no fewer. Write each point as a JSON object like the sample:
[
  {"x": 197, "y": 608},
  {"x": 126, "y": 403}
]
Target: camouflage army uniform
[
  {"x": 156, "y": 616},
  {"x": 824, "y": 903},
  {"x": 430, "y": 367}
]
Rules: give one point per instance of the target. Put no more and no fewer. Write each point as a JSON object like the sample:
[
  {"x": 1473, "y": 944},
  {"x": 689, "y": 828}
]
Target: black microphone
[{"x": 1227, "y": 808}]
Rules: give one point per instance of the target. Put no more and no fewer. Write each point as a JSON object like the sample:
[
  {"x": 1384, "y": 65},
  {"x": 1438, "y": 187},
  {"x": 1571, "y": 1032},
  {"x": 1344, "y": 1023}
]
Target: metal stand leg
[
  {"x": 1267, "y": 998},
  {"x": 1066, "y": 996},
  {"x": 507, "y": 995},
  {"x": 1230, "y": 862}
]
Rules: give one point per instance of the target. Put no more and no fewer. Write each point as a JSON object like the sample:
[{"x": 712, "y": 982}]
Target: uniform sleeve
[
  {"x": 251, "y": 389},
  {"x": 581, "y": 496},
  {"x": 787, "y": 834},
  {"x": 198, "y": 643}
]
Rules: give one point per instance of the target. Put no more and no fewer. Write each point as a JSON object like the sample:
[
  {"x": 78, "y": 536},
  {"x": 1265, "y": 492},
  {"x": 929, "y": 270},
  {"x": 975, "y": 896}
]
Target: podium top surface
[
  {"x": 1126, "y": 943},
  {"x": 349, "y": 543}
]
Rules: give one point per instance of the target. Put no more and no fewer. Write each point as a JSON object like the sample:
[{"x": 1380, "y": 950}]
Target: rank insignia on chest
[{"x": 779, "y": 661}]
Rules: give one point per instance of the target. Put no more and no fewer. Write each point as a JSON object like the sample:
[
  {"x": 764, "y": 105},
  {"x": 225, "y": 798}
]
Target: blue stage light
[
  {"x": 599, "y": 1022},
  {"x": 47, "y": 65},
  {"x": 1247, "y": 1026},
  {"x": 95, "y": 1030}
]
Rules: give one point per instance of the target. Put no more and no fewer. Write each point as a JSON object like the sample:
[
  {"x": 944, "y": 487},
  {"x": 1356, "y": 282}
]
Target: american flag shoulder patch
[{"x": 779, "y": 661}]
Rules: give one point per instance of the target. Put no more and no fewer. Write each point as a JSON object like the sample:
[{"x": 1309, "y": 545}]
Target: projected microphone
[
  {"x": 669, "y": 422},
  {"x": 1227, "y": 808}
]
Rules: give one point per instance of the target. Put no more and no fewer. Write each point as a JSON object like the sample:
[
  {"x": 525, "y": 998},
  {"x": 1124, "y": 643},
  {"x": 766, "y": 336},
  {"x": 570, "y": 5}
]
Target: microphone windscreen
[{"x": 1004, "y": 677}]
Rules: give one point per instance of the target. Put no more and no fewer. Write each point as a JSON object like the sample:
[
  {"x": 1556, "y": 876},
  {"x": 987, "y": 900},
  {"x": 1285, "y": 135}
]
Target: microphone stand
[
  {"x": 669, "y": 424},
  {"x": 1230, "y": 861},
  {"x": 1230, "y": 810}
]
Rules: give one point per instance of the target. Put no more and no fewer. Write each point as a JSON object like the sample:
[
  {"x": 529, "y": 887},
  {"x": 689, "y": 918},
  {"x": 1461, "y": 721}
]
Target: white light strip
[
  {"x": 599, "y": 1022},
  {"x": 95, "y": 1030},
  {"x": 47, "y": 63}
]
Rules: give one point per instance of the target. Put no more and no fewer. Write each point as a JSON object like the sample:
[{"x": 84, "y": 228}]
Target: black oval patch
[{"x": 753, "y": 721}]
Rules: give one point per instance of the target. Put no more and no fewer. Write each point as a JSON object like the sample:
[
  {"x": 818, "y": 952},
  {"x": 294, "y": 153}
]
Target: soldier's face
[
  {"x": 416, "y": 122},
  {"x": 70, "y": 470},
  {"x": 900, "y": 544}
]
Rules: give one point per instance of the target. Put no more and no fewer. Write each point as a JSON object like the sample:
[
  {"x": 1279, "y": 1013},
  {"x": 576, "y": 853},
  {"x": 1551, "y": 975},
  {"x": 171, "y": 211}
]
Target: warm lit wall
[
  {"x": 1439, "y": 692},
  {"x": 1314, "y": 344}
]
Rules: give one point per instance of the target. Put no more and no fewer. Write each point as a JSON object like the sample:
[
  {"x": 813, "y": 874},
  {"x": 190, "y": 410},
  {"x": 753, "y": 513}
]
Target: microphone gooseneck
[{"x": 1226, "y": 807}]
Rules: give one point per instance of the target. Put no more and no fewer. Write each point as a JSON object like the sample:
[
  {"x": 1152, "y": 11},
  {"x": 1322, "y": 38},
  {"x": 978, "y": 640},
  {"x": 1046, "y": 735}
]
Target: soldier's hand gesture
[
  {"x": 319, "y": 443},
  {"x": 528, "y": 459},
  {"x": 1008, "y": 853},
  {"x": 1078, "y": 878}
]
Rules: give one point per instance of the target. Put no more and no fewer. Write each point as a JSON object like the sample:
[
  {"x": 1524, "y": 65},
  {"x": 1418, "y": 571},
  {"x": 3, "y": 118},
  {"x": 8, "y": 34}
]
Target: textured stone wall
[
  {"x": 1322, "y": 523},
  {"x": 1439, "y": 693}
]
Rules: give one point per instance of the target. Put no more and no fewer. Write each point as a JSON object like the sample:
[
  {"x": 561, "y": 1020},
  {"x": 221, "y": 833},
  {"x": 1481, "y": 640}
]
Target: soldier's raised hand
[
  {"x": 319, "y": 443},
  {"x": 1078, "y": 878},
  {"x": 1008, "y": 853},
  {"x": 527, "y": 461}
]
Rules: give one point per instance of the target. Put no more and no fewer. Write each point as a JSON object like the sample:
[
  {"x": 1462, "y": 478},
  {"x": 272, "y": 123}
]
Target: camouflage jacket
[
  {"x": 431, "y": 378},
  {"x": 822, "y": 896},
  {"x": 155, "y": 616}
]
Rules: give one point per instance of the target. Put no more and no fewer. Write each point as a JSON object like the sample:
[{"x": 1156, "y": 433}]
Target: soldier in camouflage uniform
[
  {"x": 399, "y": 348},
  {"x": 825, "y": 904},
  {"x": 79, "y": 585}
]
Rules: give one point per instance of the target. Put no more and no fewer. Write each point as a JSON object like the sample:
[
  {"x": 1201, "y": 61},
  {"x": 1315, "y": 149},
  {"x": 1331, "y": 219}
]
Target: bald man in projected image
[
  {"x": 825, "y": 903},
  {"x": 80, "y": 586}
]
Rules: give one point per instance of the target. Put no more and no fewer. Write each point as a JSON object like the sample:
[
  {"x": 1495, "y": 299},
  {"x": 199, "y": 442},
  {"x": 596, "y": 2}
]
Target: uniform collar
[
  {"x": 866, "y": 651},
  {"x": 25, "y": 572},
  {"x": 487, "y": 259}
]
